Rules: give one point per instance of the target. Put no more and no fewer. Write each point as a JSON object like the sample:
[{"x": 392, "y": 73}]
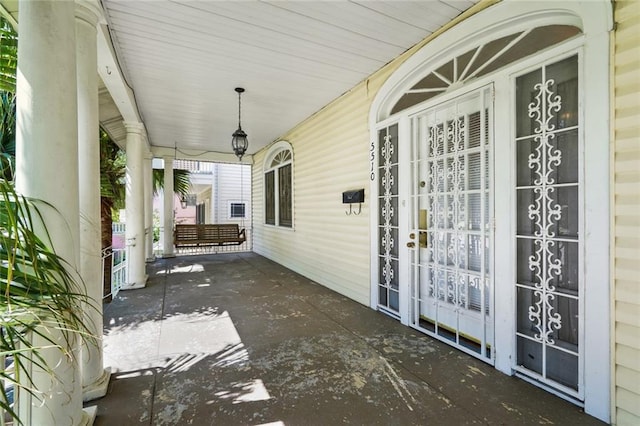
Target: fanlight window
[
  {"x": 278, "y": 189},
  {"x": 281, "y": 158},
  {"x": 483, "y": 60}
]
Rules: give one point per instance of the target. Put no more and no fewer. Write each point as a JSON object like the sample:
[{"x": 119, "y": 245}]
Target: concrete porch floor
[{"x": 235, "y": 339}]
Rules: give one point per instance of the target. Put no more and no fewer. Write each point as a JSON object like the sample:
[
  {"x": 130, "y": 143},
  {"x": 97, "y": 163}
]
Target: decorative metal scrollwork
[
  {"x": 447, "y": 208},
  {"x": 387, "y": 209},
  {"x": 544, "y": 212}
]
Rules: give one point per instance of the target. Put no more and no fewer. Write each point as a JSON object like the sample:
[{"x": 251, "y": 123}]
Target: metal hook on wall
[
  {"x": 351, "y": 211},
  {"x": 352, "y": 197}
]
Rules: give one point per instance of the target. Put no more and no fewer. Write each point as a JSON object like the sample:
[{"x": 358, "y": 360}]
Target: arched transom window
[
  {"x": 278, "y": 197},
  {"x": 482, "y": 60}
]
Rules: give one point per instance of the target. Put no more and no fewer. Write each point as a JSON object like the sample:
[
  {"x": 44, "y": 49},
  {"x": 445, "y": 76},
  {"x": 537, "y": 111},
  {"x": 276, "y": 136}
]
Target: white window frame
[
  {"x": 274, "y": 150},
  {"x": 595, "y": 20}
]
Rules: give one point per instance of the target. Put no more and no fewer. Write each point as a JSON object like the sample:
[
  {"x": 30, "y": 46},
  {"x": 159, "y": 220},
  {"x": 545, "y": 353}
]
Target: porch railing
[
  {"x": 119, "y": 271},
  {"x": 118, "y": 257},
  {"x": 6, "y": 363},
  {"x": 118, "y": 227}
]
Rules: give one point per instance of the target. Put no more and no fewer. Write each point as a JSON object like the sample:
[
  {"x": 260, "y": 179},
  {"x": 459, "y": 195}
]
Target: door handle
[{"x": 411, "y": 244}]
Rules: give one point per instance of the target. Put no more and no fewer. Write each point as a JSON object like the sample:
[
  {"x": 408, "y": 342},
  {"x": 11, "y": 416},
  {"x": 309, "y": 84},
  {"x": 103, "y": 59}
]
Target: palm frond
[
  {"x": 7, "y": 134},
  {"x": 112, "y": 170},
  {"x": 181, "y": 181},
  {"x": 8, "y": 56},
  {"x": 38, "y": 293}
]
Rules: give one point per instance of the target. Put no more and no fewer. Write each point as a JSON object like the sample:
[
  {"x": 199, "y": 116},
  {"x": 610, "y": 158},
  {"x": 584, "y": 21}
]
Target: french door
[
  {"x": 450, "y": 223},
  {"x": 448, "y": 194},
  {"x": 490, "y": 212}
]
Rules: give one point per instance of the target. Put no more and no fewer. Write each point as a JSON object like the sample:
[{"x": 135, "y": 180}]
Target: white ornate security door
[{"x": 451, "y": 216}]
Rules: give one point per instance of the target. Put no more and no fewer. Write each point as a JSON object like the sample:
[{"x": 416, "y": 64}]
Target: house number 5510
[{"x": 372, "y": 160}]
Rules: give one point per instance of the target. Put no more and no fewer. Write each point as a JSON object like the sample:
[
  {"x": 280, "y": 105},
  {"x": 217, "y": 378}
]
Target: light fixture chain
[{"x": 239, "y": 109}]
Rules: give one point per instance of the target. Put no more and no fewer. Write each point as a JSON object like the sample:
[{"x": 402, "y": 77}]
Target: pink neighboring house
[{"x": 185, "y": 215}]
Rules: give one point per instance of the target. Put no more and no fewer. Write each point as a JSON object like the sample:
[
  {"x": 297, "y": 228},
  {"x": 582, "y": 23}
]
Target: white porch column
[
  {"x": 148, "y": 207},
  {"x": 168, "y": 208},
  {"x": 47, "y": 170},
  {"x": 134, "y": 203},
  {"x": 95, "y": 378}
]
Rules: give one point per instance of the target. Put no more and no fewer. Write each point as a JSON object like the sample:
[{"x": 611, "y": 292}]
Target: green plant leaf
[{"x": 39, "y": 292}]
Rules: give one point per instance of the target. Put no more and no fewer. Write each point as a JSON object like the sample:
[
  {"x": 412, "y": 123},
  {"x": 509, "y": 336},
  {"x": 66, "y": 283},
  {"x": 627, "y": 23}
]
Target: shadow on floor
[{"x": 236, "y": 339}]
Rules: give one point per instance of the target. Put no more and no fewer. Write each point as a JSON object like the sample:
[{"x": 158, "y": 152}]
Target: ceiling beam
[{"x": 188, "y": 154}]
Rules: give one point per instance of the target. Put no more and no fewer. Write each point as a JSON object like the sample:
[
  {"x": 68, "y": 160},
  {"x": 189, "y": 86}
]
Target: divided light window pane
[
  {"x": 237, "y": 210},
  {"x": 269, "y": 196},
  {"x": 284, "y": 196}
]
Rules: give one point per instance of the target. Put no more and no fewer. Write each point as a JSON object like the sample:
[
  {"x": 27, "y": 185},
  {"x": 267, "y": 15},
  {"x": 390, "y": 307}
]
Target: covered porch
[
  {"x": 344, "y": 99},
  {"x": 238, "y": 339}
]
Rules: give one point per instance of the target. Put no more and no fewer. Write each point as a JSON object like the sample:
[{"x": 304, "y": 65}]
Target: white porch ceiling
[{"x": 183, "y": 60}]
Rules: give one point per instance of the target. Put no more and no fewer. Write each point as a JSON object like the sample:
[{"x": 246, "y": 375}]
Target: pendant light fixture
[{"x": 239, "y": 143}]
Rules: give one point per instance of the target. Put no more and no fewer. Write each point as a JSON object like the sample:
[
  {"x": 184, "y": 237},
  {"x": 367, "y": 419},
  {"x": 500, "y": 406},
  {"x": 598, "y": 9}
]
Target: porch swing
[{"x": 209, "y": 234}]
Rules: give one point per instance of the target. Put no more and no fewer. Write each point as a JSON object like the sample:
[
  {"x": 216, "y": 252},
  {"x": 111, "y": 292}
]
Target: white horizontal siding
[
  {"x": 331, "y": 155},
  {"x": 232, "y": 187},
  {"x": 626, "y": 207}
]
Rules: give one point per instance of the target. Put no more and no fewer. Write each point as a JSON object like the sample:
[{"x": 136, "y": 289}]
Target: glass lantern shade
[{"x": 239, "y": 143}]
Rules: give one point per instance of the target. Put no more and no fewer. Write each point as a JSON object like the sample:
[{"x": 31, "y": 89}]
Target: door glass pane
[
  {"x": 567, "y": 144},
  {"x": 563, "y": 367},
  {"x": 474, "y": 172},
  {"x": 526, "y": 95}
]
